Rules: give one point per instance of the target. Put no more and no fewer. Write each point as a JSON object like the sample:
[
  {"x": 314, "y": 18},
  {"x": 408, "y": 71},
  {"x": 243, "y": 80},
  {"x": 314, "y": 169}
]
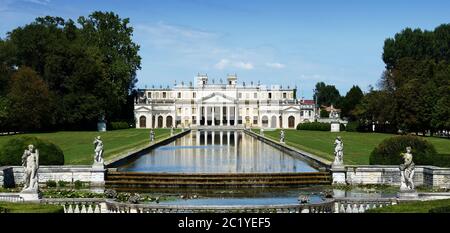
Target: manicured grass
[
  {"x": 357, "y": 146},
  {"x": 78, "y": 148},
  {"x": 412, "y": 207},
  {"x": 10, "y": 207}
]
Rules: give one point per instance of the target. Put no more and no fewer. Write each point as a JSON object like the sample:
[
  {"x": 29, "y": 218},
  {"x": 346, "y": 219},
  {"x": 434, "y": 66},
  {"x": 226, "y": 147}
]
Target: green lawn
[
  {"x": 412, "y": 207},
  {"x": 357, "y": 146},
  {"x": 78, "y": 147},
  {"x": 9, "y": 207}
]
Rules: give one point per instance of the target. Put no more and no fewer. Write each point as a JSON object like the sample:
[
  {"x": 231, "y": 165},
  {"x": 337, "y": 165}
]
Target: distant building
[{"x": 212, "y": 104}]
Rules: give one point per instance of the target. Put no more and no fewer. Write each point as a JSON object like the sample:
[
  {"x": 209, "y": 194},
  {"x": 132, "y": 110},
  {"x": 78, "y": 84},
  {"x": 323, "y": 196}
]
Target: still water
[{"x": 217, "y": 152}]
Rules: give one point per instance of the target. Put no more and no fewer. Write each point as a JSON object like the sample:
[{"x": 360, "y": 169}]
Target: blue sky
[{"x": 275, "y": 42}]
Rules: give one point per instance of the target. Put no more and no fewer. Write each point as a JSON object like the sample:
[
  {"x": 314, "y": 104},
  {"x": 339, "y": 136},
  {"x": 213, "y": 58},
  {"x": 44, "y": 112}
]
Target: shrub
[
  {"x": 62, "y": 183},
  {"x": 15, "y": 207},
  {"x": 388, "y": 151},
  {"x": 316, "y": 126},
  {"x": 119, "y": 125},
  {"x": 352, "y": 126},
  {"x": 442, "y": 209},
  {"x": 78, "y": 184},
  {"x": 50, "y": 184},
  {"x": 49, "y": 153}
]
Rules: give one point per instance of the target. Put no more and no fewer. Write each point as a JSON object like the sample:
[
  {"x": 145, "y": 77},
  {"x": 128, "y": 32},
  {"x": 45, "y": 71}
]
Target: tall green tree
[
  {"x": 29, "y": 100},
  {"x": 327, "y": 94},
  {"x": 350, "y": 101}
]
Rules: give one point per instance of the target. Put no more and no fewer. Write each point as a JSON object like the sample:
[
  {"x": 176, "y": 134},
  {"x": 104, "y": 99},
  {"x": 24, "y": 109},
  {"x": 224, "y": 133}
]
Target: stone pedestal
[
  {"x": 408, "y": 195},
  {"x": 101, "y": 126},
  {"x": 335, "y": 126},
  {"x": 98, "y": 174},
  {"x": 339, "y": 174},
  {"x": 29, "y": 195}
]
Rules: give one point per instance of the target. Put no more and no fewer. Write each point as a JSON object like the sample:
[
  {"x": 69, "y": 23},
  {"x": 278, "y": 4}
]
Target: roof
[{"x": 308, "y": 102}]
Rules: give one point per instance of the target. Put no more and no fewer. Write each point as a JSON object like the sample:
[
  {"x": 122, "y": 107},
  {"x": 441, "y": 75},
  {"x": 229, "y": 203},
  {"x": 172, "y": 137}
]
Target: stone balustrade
[
  {"x": 360, "y": 205},
  {"x": 78, "y": 205},
  {"x": 10, "y": 197},
  {"x": 117, "y": 207}
]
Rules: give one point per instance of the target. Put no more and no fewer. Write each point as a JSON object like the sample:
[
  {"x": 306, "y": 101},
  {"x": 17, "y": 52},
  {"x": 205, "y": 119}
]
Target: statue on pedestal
[
  {"x": 30, "y": 163},
  {"x": 98, "y": 149},
  {"x": 338, "y": 152},
  {"x": 282, "y": 136},
  {"x": 152, "y": 135},
  {"x": 407, "y": 171}
]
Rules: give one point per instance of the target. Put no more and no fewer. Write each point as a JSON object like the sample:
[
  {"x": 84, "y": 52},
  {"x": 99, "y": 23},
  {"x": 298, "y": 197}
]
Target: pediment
[
  {"x": 142, "y": 109},
  {"x": 291, "y": 109},
  {"x": 217, "y": 98}
]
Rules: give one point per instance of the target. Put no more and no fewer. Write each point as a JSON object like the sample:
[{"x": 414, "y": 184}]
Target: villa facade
[{"x": 221, "y": 105}]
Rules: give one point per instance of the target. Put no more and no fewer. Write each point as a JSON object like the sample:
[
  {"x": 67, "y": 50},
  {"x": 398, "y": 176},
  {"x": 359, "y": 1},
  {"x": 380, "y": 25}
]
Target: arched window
[
  {"x": 265, "y": 121},
  {"x": 169, "y": 120},
  {"x": 160, "y": 122},
  {"x": 291, "y": 122},
  {"x": 273, "y": 122},
  {"x": 142, "y": 122}
]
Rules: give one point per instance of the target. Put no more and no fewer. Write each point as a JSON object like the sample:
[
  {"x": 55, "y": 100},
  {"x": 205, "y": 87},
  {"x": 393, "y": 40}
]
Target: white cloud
[
  {"x": 224, "y": 63},
  {"x": 40, "y": 2},
  {"x": 275, "y": 65}
]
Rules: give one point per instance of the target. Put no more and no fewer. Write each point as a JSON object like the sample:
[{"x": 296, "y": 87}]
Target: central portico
[{"x": 219, "y": 104}]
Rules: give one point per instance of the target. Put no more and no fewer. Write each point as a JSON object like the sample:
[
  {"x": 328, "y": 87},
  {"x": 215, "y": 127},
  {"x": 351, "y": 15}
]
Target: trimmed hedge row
[
  {"x": 119, "y": 125},
  {"x": 14, "y": 207},
  {"x": 49, "y": 153},
  {"x": 315, "y": 126}
]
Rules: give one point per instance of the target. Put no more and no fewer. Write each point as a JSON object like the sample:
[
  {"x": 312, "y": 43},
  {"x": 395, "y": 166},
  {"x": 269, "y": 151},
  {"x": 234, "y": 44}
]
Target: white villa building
[{"x": 221, "y": 105}]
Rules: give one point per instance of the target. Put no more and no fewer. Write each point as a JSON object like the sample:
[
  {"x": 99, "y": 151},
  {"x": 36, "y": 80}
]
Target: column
[
  {"x": 236, "y": 109},
  {"x": 150, "y": 121},
  {"x": 164, "y": 122},
  {"x": 206, "y": 139},
  {"x": 213, "y": 113},
  {"x": 228, "y": 115},
  {"x": 205, "y": 108},
  {"x": 221, "y": 115},
  {"x": 198, "y": 116}
]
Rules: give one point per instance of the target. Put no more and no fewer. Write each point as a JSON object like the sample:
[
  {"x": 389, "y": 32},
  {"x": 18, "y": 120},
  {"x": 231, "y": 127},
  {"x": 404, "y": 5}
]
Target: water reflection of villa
[
  {"x": 217, "y": 152},
  {"x": 221, "y": 105}
]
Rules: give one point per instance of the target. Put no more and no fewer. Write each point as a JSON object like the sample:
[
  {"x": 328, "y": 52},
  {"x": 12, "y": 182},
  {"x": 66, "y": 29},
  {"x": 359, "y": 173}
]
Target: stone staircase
[{"x": 140, "y": 179}]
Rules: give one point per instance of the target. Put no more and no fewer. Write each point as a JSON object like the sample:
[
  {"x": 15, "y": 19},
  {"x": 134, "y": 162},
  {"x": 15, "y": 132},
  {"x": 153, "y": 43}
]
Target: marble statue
[
  {"x": 407, "y": 171},
  {"x": 261, "y": 131},
  {"x": 338, "y": 152},
  {"x": 152, "y": 135},
  {"x": 30, "y": 163},
  {"x": 98, "y": 149},
  {"x": 282, "y": 136}
]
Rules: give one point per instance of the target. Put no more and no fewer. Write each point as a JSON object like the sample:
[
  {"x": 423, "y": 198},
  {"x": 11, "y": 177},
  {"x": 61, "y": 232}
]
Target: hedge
[
  {"x": 388, "y": 151},
  {"x": 119, "y": 125},
  {"x": 49, "y": 153},
  {"x": 315, "y": 126},
  {"x": 14, "y": 207}
]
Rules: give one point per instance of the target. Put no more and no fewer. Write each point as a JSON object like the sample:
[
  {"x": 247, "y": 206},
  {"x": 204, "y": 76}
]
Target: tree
[
  {"x": 113, "y": 36},
  {"x": 349, "y": 102},
  {"x": 29, "y": 99},
  {"x": 326, "y": 94}
]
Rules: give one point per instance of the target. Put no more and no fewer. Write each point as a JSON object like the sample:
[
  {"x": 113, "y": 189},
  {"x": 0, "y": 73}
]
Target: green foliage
[
  {"x": 352, "y": 126},
  {"x": 326, "y": 94},
  {"x": 15, "y": 207},
  {"x": 78, "y": 184},
  {"x": 75, "y": 74},
  {"x": 413, "y": 207},
  {"x": 388, "y": 151},
  {"x": 314, "y": 126},
  {"x": 350, "y": 101},
  {"x": 62, "y": 183},
  {"x": 49, "y": 153},
  {"x": 68, "y": 193},
  {"x": 324, "y": 113},
  {"x": 50, "y": 184},
  {"x": 119, "y": 125},
  {"x": 441, "y": 209}
]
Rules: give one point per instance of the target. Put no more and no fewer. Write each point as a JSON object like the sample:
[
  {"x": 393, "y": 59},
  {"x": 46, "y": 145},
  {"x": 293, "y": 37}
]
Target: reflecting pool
[{"x": 217, "y": 152}]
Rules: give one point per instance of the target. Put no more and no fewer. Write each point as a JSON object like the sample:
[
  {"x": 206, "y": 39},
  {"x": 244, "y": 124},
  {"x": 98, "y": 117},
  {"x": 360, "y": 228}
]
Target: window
[
  {"x": 240, "y": 95},
  {"x": 284, "y": 95},
  {"x": 194, "y": 110},
  {"x": 270, "y": 95},
  {"x": 179, "y": 111},
  {"x": 164, "y": 95},
  {"x": 255, "y": 95},
  {"x": 255, "y": 120},
  {"x": 194, "y": 95},
  {"x": 149, "y": 95},
  {"x": 179, "y": 95},
  {"x": 247, "y": 96}
]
